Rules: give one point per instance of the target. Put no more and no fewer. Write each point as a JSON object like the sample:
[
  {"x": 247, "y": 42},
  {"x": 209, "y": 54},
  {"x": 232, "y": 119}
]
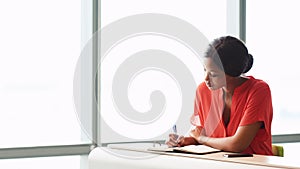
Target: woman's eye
[{"x": 213, "y": 75}]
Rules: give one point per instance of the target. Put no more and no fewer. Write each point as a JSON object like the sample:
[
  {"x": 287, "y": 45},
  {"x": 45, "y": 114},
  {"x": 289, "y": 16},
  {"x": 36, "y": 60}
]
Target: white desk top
[{"x": 136, "y": 157}]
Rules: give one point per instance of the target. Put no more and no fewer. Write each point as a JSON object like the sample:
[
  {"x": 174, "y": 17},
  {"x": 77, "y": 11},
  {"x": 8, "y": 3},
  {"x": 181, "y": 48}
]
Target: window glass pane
[
  {"x": 40, "y": 44},
  {"x": 208, "y": 17},
  {"x": 272, "y": 38}
]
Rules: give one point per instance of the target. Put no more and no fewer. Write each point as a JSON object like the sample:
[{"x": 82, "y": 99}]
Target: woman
[{"x": 232, "y": 112}]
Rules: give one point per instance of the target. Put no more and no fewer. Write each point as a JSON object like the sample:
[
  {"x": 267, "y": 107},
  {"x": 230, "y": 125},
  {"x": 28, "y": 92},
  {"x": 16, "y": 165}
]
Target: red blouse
[{"x": 251, "y": 102}]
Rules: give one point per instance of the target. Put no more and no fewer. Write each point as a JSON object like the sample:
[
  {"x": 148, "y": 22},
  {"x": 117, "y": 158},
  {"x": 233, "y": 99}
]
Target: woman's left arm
[{"x": 236, "y": 143}]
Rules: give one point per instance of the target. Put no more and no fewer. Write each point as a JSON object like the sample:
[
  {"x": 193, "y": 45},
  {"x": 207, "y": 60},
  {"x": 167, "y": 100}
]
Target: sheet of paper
[{"x": 195, "y": 149}]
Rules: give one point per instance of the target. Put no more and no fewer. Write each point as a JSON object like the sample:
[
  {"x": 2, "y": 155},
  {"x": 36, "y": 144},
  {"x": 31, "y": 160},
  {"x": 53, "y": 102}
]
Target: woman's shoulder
[
  {"x": 258, "y": 85},
  {"x": 252, "y": 85},
  {"x": 202, "y": 88},
  {"x": 202, "y": 85}
]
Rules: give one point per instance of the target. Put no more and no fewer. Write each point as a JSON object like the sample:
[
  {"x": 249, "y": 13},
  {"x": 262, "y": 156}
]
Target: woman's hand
[
  {"x": 185, "y": 141},
  {"x": 198, "y": 134},
  {"x": 173, "y": 140},
  {"x": 180, "y": 141}
]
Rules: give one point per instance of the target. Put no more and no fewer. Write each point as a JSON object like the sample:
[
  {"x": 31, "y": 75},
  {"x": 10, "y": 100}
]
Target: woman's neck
[{"x": 232, "y": 83}]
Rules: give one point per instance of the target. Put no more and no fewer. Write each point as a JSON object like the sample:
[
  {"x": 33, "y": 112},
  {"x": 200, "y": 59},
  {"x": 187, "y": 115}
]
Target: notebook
[{"x": 193, "y": 149}]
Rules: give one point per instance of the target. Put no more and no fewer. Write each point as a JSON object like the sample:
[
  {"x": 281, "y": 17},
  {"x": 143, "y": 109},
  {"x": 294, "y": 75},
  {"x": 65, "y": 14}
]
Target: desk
[{"x": 103, "y": 157}]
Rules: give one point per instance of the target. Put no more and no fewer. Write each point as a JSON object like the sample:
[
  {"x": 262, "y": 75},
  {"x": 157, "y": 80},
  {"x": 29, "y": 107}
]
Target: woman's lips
[{"x": 208, "y": 84}]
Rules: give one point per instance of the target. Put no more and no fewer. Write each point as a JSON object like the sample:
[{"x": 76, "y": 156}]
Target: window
[
  {"x": 41, "y": 42},
  {"x": 272, "y": 38},
  {"x": 40, "y": 45},
  {"x": 148, "y": 98}
]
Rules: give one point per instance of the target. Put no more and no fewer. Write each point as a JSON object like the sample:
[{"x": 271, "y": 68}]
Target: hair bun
[{"x": 249, "y": 63}]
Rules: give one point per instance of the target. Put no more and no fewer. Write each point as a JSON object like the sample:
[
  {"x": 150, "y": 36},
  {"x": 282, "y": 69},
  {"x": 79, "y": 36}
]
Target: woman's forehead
[{"x": 210, "y": 65}]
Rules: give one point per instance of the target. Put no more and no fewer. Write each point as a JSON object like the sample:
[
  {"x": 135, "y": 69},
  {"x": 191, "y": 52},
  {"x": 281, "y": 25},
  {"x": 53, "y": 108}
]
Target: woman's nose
[{"x": 206, "y": 77}]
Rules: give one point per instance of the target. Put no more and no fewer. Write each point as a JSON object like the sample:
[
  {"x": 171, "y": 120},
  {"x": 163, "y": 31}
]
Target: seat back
[{"x": 277, "y": 150}]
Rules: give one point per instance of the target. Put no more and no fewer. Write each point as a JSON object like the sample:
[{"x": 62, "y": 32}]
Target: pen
[
  {"x": 175, "y": 132},
  {"x": 175, "y": 129},
  {"x": 238, "y": 155}
]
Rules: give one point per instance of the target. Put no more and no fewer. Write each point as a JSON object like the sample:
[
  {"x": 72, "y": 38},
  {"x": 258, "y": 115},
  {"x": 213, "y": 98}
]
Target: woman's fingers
[
  {"x": 173, "y": 140},
  {"x": 180, "y": 140},
  {"x": 187, "y": 141}
]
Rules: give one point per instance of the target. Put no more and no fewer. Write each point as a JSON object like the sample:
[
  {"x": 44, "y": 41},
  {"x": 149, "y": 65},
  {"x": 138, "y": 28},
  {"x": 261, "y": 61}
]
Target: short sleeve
[{"x": 259, "y": 106}]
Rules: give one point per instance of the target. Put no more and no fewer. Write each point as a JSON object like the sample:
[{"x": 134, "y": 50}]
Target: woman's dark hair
[{"x": 231, "y": 54}]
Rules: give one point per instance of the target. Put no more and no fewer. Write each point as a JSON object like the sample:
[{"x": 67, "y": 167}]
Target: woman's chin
[{"x": 211, "y": 87}]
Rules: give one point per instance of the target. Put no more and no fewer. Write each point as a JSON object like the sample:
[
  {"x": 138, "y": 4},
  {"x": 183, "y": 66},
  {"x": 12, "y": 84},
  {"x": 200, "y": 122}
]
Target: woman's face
[{"x": 214, "y": 77}]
